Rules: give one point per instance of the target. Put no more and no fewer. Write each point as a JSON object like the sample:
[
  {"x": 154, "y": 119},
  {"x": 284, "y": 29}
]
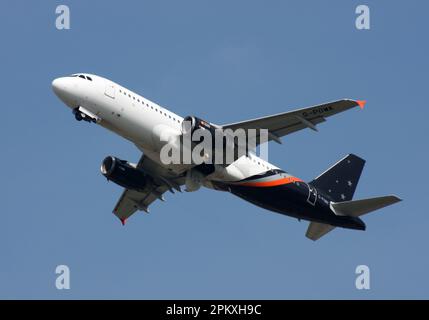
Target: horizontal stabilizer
[
  {"x": 317, "y": 230},
  {"x": 358, "y": 208}
]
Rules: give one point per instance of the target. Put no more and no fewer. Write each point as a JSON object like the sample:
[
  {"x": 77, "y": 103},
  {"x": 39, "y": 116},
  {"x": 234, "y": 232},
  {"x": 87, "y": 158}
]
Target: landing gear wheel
[{"x": 78, "y": 116}]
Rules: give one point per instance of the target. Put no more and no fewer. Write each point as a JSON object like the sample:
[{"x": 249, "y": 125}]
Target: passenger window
[
  {"x": 89, "y": 78},
  {"x": 81, "y": 76}
]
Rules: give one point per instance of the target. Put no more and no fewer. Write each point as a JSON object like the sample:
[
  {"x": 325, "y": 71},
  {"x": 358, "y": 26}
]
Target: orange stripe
[{"x": 271, "y": 183}]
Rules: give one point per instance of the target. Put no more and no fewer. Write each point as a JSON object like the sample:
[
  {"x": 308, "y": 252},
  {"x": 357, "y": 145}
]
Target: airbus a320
[{"x": 326, "y": 202}]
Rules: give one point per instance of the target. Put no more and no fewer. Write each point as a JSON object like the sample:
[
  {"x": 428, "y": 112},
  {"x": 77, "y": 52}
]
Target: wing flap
[
  {"x": 131, "y": 201},
  {"x": 283, "y": 131}
]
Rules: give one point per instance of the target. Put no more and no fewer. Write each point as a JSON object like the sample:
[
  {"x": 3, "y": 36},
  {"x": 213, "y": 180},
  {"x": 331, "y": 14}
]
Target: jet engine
[
  {"x": 206, "y": 130},
  {"x": 228, "y": 145},
  {"x": 123, "y": 173},
  {"x": 191, "y": 123}
]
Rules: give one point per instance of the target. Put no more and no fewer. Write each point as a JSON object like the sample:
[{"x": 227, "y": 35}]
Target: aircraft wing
[
  {"x": 282, "y": 124},
  {"x": 131, "y": 200}
]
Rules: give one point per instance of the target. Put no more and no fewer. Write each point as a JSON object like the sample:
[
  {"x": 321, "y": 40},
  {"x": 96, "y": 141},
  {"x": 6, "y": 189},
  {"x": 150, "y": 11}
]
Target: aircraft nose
[{"x": 59, "y": 86}]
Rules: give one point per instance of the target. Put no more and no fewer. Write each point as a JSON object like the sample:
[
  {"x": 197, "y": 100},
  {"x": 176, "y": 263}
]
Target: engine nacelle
[
  {"x": 123, "y": 173},
  {"x": 230, "y": 143},
  {"x": 191, "y": 123},
  {"x": 205, "y": 130}
]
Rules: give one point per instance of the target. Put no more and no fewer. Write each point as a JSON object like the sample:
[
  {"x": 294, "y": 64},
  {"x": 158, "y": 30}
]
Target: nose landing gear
[
  {"x": 78, "y": 116},
  {"x": 81, "y": 113}
]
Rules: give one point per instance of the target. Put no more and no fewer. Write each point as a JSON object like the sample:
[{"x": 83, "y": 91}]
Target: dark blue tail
[{"x": 340, "y": 181}]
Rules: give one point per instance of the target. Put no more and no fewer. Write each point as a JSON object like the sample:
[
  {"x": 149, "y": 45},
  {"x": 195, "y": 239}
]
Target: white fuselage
[{"x": 140, "y": 121}]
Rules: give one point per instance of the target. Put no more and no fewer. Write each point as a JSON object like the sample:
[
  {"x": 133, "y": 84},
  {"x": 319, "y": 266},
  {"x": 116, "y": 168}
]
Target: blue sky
[{"x": 223, "y": 61}]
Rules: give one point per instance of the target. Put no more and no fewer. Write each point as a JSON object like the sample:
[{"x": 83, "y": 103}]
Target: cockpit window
[{"x": 81, "y": 76}]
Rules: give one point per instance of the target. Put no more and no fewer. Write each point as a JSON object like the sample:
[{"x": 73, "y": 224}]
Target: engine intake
[
  {"x": 230, "y": 144},
  {"x": 191, "y": 123},
  {"x": 123, "y": 173}
]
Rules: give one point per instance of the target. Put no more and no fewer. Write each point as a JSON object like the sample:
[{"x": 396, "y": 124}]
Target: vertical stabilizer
[{"x": 340, "y": 181}]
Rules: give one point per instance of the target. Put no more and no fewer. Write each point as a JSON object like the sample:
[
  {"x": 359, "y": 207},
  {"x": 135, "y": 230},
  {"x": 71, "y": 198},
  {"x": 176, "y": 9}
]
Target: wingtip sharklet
[{"x": 361, "y": 103}]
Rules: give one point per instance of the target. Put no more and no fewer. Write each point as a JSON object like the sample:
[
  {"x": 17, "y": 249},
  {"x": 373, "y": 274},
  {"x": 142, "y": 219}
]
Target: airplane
[{"x": 326, "y": 202}]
